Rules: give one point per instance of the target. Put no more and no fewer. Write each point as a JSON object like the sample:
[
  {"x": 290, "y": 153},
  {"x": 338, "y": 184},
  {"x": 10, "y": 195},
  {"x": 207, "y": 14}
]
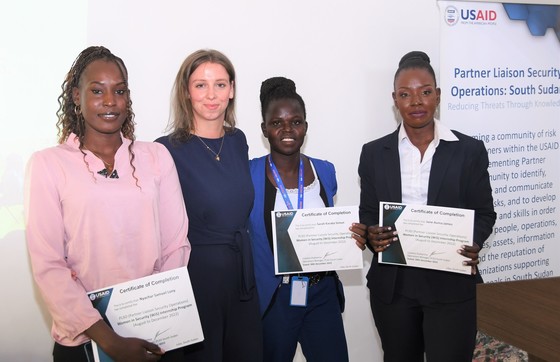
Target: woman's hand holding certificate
[{"x": 427, "y": 236}]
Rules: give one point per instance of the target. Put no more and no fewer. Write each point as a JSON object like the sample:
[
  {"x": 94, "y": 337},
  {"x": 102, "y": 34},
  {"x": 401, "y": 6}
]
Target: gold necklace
[
  {"x": 216, "y": 155},
  {"x": 108, "y": 165}
]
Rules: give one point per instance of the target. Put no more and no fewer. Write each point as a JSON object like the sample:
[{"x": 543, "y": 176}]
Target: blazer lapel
[
  {"x": 392, "y": 167},
  {"x": 440, "y": 163}
]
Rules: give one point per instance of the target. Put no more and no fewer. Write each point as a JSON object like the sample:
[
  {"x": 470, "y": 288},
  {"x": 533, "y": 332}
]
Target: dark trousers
[
  {"x": 84, "y": 353},
  {"x": 408, "y": 329},
  {"x": 318, "y": 326},
  {"x": 232, "y": 327}
]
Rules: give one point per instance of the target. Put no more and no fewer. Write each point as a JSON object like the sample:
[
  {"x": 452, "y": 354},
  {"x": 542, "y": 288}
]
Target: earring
[{"x": 79, "y": 120}]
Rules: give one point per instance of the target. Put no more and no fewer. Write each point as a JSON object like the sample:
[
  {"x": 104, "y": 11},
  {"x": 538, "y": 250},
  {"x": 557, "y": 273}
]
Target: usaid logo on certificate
[
  {"x": 101, "y": 294},
  {"x": 393, "y": 207},
  {"x": 281, "y": 214}
]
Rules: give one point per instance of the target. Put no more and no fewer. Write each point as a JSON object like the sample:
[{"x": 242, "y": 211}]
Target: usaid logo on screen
[
  {"x": 469, "y": 16},
  {"x": 393, "y": 207}
]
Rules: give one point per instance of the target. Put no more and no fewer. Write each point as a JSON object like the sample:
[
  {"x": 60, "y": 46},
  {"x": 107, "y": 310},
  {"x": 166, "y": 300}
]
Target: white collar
[{"x": 441, "y": 132}]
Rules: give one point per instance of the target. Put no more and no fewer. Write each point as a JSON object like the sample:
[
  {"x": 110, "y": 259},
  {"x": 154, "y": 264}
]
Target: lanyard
[{"x": 281, "y": 187}]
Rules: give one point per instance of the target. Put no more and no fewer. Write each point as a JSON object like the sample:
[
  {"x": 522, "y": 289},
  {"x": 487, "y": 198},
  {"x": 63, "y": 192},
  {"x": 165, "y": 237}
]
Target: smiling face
[
  {"x": 284, "y": 126},
  {"x": 416, "y": 97},
  {"x": 210, "y": 91},
  {"x": 102, "y": 95}
]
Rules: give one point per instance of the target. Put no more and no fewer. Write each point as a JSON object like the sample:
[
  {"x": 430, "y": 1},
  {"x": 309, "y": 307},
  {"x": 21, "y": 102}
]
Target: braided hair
[
  {"x": 70, "y": 119},
  {"x": 415, "y": 60},
  {"x": 276, "y": 88}
]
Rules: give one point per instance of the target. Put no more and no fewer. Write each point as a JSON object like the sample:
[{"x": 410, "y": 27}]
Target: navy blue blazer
[
  {"x": 458, "y": 178},
  {"x": 267, "y": 281}
]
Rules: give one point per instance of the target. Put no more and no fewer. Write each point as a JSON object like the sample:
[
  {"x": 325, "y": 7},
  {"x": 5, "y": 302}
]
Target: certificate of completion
[
  {"x": 428, "y": 236},
  {"x": 315, "y": 240},
  {"x": 159, "y": 308}
]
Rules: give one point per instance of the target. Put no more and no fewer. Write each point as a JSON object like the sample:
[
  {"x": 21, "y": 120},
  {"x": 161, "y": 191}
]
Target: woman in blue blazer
[
  {"x": 421, "y": 311},
  {"x": 287, "y": 179}
]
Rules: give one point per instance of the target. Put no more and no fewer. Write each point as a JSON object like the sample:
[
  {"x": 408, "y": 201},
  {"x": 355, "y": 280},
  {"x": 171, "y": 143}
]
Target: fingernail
[{"x": 465, "y": 263}]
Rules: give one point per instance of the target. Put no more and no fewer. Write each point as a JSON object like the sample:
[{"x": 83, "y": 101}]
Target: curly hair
[
  {"x": 181, "y": 123},
  {"x": 70, "y": 118}
]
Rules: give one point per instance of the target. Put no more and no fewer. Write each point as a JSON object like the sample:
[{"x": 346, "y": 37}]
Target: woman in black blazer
[{"x": 422, "y": 311}]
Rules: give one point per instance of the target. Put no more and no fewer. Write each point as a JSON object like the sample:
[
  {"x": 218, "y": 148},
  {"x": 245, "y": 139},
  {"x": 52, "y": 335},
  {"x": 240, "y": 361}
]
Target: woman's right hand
[
  {"x": 134, "y": 349},
  {"x": 123, "y": 349},
  {"x": 381, "y": 237},
  {"x": 359, "y": 233}
]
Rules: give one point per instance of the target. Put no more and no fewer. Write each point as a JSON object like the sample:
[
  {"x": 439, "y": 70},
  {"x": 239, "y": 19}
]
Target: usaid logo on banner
[
  {"x": 98, "y": 295},
  {"x": 392, "y": 207},
  {"x": 469, "y": 16},
  {"x": 451, "y": 15}
]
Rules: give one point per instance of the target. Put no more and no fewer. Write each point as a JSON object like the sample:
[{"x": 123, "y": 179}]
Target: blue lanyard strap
[{"x": 281, "y": 187}]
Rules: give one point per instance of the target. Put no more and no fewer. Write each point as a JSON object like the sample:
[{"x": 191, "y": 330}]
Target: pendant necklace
[
  {"x": 216, "y": 155},
  {"x": 108, "y": 171},
  {"x": 108, "y": 165}
]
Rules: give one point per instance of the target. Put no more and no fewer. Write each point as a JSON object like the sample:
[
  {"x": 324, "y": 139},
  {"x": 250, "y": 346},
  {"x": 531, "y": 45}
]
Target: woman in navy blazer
[
  {"x": 280, "y": 179},
  {"x": 421, "y": 311}
]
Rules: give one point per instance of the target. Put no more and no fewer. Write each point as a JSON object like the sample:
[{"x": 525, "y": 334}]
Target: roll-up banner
[{"x": 500, "y": 81}]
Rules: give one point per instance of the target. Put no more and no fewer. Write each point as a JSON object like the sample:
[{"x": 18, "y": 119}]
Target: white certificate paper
[
  {"x": 315, "y": 240},
  {"x": 159, "y": 308},
  {"x": 428, "y": 236}
]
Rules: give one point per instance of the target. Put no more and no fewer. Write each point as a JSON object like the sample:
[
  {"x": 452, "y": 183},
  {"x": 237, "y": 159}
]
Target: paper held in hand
[
  {"x": 315, "y": 240},
  {"x": 159, "y": 308},
  {"x": 428, "y": 236}
]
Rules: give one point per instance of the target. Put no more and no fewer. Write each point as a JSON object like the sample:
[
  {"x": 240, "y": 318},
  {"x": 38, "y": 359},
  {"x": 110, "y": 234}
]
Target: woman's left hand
[
  {"x": 470, "y": 252},
  {"x": 359, "y": 233}
]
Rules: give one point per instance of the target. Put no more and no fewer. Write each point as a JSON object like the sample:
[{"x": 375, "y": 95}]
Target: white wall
[
  {"x": 342, "y": 56},
  {"x": 38, "y": 41}
]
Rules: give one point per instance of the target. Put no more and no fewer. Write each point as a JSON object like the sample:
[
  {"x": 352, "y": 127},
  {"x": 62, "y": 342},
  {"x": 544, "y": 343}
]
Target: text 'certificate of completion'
[
  {"x": 428, "y": 236},
  {"x": 159, "y": 308},
  {"x": 315, "y": 240}
]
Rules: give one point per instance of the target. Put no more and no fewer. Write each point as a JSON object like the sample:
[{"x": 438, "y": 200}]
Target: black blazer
[{"x": 458, "y": 178}]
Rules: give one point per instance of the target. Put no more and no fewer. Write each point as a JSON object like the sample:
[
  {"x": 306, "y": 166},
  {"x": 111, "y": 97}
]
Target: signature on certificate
[
  {"x": 329, "y": 253},
  {"x": 160, "y": 333},
  {"x": 434, "y": 253}
]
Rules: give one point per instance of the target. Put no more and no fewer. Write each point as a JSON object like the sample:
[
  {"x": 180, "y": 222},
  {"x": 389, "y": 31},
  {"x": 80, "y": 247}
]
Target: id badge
[{"x": 298, "y": 296}]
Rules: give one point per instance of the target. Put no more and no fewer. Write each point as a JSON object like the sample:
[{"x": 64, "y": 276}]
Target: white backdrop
[{"x": 342, "y": 56}]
